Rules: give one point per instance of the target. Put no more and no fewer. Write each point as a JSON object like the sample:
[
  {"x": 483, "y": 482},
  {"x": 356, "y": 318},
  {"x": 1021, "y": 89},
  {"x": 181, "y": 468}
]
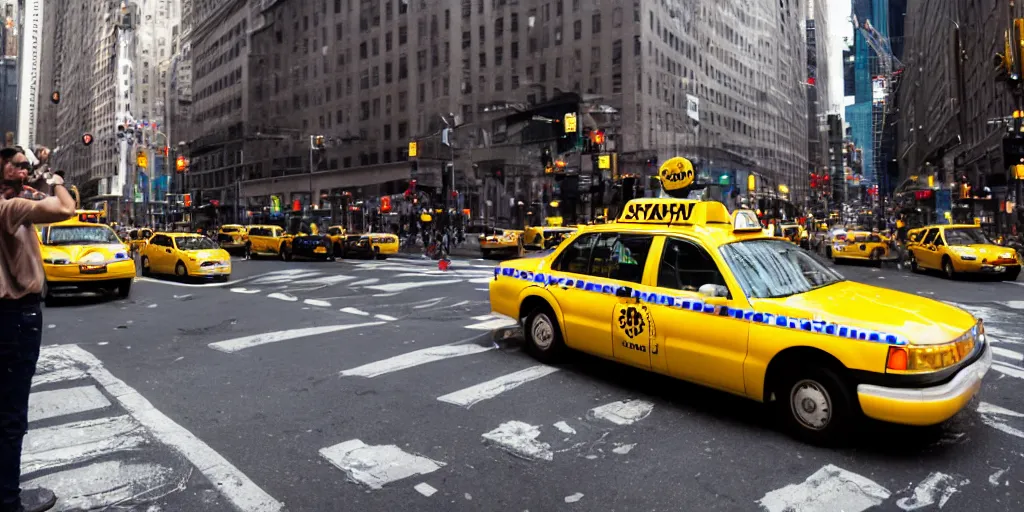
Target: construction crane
[
  {"x": 887, "y": 66},
  {"x": 881, "y": 46}
]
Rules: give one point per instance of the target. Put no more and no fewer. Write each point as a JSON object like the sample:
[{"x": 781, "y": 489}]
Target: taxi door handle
[{"x": 168, "y": 251}]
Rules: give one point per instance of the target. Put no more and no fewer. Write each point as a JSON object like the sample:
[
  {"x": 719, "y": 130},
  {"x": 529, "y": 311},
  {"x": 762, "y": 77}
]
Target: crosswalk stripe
[
  {"x": 317, "y": 303},
  {"x": 354, "y": 311},
  {"x": 365, "y": 282},
  {"x": 411, "y": 359},
  {"x": 473, "y": 395},
  {"x": 58, "y": 376},
  {"x": 255, "y": 340},
  {"x": 1009, "y": 354},
  {"x": 401, "y": 287},
  {"x": 44, "y": 405},
  {"x": 282, "y": 296},
  {"x": 494, "y": 323},
  {"x": 103, "y": 484},
  {"x": 74, "y": 443}
]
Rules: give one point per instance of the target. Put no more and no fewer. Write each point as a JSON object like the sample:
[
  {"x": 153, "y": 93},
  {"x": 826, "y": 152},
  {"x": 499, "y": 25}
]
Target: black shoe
[{"x": 37, "y": 500}]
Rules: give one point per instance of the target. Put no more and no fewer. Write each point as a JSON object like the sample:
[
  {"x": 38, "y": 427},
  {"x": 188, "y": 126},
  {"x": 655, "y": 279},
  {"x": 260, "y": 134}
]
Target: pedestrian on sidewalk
[{"x": 21, "y": 319}]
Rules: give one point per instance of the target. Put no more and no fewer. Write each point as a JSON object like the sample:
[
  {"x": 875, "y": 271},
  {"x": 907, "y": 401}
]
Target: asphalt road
[{"x": 361, "y": 385}]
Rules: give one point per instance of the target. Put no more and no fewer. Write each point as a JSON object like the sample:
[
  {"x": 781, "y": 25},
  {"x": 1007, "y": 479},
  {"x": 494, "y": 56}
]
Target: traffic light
[
  {"x": 180, "y": 164},
  {"x": 187, "y": 200},
  {"x": 385, "y": 204},
  {"x": 55, "y": 97},
  {"x": 498, "y": 174},
  {"x": 545, "y": 157},
  {"x": 318, "y": 142},
  {"x": 86, "y": 139},
  {"x": 597, "y": 137}
]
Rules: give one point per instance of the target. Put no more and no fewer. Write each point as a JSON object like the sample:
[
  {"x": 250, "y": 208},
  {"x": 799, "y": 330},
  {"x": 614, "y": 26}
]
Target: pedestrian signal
[
  {"x": 180, "y": 164},
  {"x": 187, "y": 199},
  {"x": 55, "y": 97},
  {"x": 86, "y": 139}
]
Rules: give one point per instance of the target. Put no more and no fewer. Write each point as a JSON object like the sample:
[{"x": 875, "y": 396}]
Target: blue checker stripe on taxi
[{"x": 801, "y": 324}]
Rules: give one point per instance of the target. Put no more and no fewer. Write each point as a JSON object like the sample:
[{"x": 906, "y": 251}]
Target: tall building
[
  {"x": 867, "y": 115},
  {"x": 945, "y": 130},
  {"x": 819, "y": 99},
  {"x": 372, "y": 76}
]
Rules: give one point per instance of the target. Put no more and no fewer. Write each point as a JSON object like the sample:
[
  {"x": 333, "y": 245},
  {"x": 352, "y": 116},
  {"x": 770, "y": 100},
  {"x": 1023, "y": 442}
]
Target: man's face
[{"x": 16, "y": 170}]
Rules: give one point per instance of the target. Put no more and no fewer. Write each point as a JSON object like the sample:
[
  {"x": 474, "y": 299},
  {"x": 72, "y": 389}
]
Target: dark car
[
  {"x": 358, "y": 246},
  {"x": 311, "y": 246}
]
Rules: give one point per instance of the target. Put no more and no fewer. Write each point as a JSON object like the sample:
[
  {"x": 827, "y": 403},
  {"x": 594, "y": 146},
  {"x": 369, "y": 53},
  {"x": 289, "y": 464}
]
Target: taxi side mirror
[
  {"x": 714, "y": 291},
  {"x": 624, "y": 292}
]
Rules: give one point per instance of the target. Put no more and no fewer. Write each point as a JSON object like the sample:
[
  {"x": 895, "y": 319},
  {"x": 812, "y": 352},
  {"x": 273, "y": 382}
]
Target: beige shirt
[{"x": 21, "y": 261}]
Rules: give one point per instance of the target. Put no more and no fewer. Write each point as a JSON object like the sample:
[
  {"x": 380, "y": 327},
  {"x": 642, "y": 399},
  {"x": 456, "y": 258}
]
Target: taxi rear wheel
[
  {"x": 947, "y": 268},
  {"x": 124, "y": 289},
  {"x": 816, "y": 406},
  {"x": 145, "y": 266},
  {"x": 543, "y": 337},
  {"x": 180, "y": 270},
  {"x": 913, "y": 263}
]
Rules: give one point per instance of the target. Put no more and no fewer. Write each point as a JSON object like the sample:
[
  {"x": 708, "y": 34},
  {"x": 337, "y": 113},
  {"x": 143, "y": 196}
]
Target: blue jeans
[{"x": 21, "y": 334}]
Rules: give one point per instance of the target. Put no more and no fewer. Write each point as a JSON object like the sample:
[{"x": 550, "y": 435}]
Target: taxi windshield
[
  {"x": 195, "y": 243},
  {"x": 773, "y": 268},
  {"x": 230, "y": 229},
  {"x": 81, "y": 235},
  {"x": 965, "y": 236}
]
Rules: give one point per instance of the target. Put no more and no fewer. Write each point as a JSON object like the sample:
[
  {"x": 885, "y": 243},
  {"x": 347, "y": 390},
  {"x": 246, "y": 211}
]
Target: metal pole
[{"x": 311, "y": 173}]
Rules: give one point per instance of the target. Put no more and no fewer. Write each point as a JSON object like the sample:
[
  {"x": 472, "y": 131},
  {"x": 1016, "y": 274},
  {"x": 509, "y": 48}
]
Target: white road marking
[
  {"x": 74, "y": 443},
  {"x": 623, "y": 412},
  {"x": 282, "y": 296},
  {"x": 411, "y": 359},
  {"x": 936, "y": 488},
  {"x": 1009, "y": 354},
  {"x": 1015, "y": 304},
  {"x": 255, "y": 340},
  {"x": 365, "y": 282},
  {"x": 991, "y": 415},
  {"x": 425, "y": 489},
  {"x": 187, "y": 285},
  {"x": 386, "y": 318},
  {"x": 326, "y": 280},
  {"x": 473, "y": 395},
  {"x": 493, "y": 323},
  {"x": 61, "y": 402},
  {"x": 829, "y": 489},
  {"x": 993, "y": 479},
  {"x": 484, "y": 317},
  {"x": 622, "y": 448},
  {"x": 1008, "y": 369},
  {"x": 281, "y": 276},
  {"x": 317, "y": 302},
  {"x": 401, "y": 287},
  {"x": 574, "y": 497},
  {"x": 385, "y": 294},
  {"x": 483, "y": 289},
  {"x": 232, "y": 483},
  {"x": 61, "y": 375},
  {"x": 246, "y": 291},
  {"x": 104, "y": 484},
  {"x": 429, "y": 303},
  {"x": 481, "y": 280},
  {"x": 354, "y": 311},
  {"x": 520, "y": 439},
  {"x": 377, "y": 466},
  {"x": 565, "y": 428}
]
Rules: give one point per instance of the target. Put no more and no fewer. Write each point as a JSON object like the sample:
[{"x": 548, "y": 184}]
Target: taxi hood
[
  {"x": 76, "y": 253},
  {"x": 922, "y": 321},
  {"x": 985, "y": 251}
]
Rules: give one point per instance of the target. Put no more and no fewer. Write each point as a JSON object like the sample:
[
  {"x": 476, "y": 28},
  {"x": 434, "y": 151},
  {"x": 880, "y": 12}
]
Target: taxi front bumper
[
  {"x": 210, "y": 270},
  {"x": 925, "y": 406},
  {"x": 73, "y": 273}
]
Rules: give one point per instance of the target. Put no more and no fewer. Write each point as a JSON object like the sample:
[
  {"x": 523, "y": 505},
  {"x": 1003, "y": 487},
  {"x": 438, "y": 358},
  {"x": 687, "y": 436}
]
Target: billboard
[{"x": 878, "y": 90}]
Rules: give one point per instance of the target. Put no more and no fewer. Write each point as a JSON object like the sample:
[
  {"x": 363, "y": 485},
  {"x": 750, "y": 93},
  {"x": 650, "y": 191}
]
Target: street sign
[
  {"x": 141, "y": 160},
  {"x": 604, "y": 162},
  {"x": 570, "y": 122},
  {"x": 412, "y": 148}
]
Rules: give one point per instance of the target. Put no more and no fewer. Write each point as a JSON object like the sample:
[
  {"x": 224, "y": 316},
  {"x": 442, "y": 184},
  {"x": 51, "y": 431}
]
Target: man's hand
[{"x": 53, "y": 180}]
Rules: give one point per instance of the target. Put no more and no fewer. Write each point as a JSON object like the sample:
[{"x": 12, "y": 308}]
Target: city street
[{"x": 386, "y": 385}]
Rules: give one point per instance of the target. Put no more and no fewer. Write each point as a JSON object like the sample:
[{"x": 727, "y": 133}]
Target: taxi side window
[
  {"x": 874, "y": 239},
  {"x": 576, "y": 257},
  {"x": 686, "y": 266},
  {"x": 620, "y": 256},
  {"x": 333, "y": 231},
  {"x": 938, "y": 240},
  {"x": 162, "y": 241},
  {"x": 930, "y": 237}
]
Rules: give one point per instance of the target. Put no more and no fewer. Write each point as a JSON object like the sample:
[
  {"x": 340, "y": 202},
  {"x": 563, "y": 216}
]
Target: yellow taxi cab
[
  {"x": 678, "y": 288},
  {"x": 137, "y": 238},
  {"x": 85, "y": 256},
  {"x": 961, "y": 249},
  {"x": 370, "y": 245},
  {"x": 545, "y": 237},
  {"x": 497, "y": 241},
  {"x": 795, "y": 233},
  {"x": 266, "y": 240},
  {"x": 185, "y": 255},
  {"x": 336, "y": 235},
  {"x": 860, "y": 245},
  {"x": 232, "y": 237}
]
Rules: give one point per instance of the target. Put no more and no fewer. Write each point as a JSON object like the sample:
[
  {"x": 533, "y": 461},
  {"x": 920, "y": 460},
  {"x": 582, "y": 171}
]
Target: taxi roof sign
[
  {"x": 745, "y": 220},
  {"x": 674, "y": 212}
]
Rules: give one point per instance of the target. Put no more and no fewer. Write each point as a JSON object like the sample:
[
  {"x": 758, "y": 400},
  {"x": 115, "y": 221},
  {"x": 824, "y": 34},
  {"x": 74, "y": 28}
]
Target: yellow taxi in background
[
  {"x": 501, "y": 242},
  {"x": 961, "y": 249},
  {"x": 676, "y": 288},
  {"x": 137, "y": 238},
  {"x": 336, "y": 235},
  {"x": 232, "y": 237},
  {"x": 185, "y": 255},
  {"x": 860, "y": 245},
  {"x": 266, "y": 240},
  {"x": 545, "y": 237},
  {"x": 84, "y": 256},
  {"x": 370, "y": 245}
]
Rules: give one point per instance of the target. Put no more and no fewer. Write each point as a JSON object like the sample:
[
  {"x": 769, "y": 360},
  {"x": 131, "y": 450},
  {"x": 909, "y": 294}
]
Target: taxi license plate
[
  {"x": 320, "y": 250},
  {"x": 92, "y": 269}
]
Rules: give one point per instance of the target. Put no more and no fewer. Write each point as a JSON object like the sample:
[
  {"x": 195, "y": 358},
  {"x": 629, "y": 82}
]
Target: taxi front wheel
[
  {"x": 543, "y": 337},
  {"x": 815, "y": 405}
]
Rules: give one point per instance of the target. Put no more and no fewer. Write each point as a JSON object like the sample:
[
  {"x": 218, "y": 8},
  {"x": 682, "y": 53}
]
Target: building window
[{"x": 577, "y": 30}]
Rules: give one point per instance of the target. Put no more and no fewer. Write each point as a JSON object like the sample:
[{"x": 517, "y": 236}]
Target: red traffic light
[
  {"x": 385, "y": 204},
  {"x": 180, "y": 164},
  {"x": 86, "y": 138},
  {"x": 597, "y": 137}
]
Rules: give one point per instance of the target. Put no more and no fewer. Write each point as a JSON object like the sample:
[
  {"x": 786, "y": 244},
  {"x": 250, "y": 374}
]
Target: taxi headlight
[
  {"x": 968, "y": 257},
  {"x": 56, "y": 261},
  {"x": 930, "y": 358}
]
